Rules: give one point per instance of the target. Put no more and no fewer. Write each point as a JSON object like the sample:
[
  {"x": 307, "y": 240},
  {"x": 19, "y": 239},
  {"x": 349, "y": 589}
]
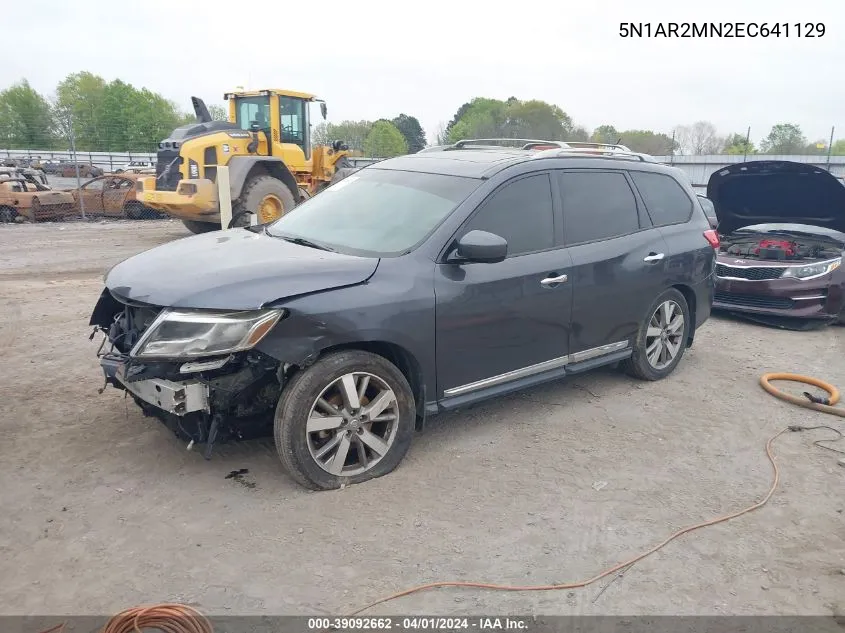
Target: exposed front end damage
[{"x": 202, "y": 400}]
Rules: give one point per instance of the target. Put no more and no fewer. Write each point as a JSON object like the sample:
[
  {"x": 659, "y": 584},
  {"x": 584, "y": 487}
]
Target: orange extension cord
[{"x": 177, "y": 618}]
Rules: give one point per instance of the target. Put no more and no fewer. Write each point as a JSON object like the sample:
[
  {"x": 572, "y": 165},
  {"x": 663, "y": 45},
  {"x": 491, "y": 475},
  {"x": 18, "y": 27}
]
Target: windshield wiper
[{"x": 305, "y": 242}]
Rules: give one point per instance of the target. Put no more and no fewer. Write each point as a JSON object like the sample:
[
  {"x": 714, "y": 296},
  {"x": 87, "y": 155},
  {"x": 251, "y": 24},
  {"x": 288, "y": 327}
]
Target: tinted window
[
  {"x": 665, "y": 199},
  {"x": 596, "y": 206},
  {"x": 375, "y": 212},
  {"x": 522, "y": 213},
  {"x": 253, "y": 110}
]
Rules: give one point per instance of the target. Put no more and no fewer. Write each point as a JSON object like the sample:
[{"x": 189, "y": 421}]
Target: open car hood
[
  {"x": 776, "y": 191},
  {"x": 232, "y": 270}
]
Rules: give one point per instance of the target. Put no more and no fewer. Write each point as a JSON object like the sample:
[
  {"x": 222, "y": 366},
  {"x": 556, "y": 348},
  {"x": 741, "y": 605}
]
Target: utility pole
[
  {"x": 830, "y": 147},
  {"x": 747, "y": 141},
  {"x": 76, "y": 165},
  {"x": 672, "y": 150}
]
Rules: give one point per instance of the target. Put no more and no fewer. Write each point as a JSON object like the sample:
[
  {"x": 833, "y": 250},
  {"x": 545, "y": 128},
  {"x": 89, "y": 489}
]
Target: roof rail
[
  {"x": 586, "y": 145},
  {"x": 597, "y": 153},
  {"x": 512, "y": 143},
  {"x": 535, "y": 144}
]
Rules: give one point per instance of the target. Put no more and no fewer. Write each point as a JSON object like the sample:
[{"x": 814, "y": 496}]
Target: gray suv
[{"x": 417, "y": 285}]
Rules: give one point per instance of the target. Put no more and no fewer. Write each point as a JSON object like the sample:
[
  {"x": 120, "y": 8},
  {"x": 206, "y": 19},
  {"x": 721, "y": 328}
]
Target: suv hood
[
  {"x": 776, "y": 191},
  {"x": 232, "y": 270}
]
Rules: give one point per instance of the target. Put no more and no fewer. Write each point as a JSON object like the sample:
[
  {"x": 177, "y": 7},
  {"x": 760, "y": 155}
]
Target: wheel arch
[
  {"x": 242, "y": 168},
  {"x": 403, "y": 359},
  {"x": 689, "y": 295}
]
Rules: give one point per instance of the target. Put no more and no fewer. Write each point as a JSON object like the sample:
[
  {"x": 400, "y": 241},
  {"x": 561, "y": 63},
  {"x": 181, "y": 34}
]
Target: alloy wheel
[
  {"x": 664, "y": 336},
  {"x": 352, "y": 425}
]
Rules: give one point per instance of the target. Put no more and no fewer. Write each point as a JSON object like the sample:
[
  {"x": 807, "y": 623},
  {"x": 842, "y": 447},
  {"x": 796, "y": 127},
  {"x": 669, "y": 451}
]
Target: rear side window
[
  {"x": 522, "y": 213},
  {"x": 597, "y": 206},
  {"x": 665, "y": 200}
]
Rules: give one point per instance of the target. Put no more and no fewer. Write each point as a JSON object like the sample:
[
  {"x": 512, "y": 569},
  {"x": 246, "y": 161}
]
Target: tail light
[{"x": 712, "y": 238}]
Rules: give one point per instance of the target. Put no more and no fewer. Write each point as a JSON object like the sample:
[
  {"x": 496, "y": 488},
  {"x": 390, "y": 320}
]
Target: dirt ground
[{"x": 103, "y": 509}]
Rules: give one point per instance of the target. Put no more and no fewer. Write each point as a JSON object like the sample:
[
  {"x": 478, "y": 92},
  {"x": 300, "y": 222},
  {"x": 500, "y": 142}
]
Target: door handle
[
  {"x": 553, "y": 281},
  {"x": 653, "y": 257}
]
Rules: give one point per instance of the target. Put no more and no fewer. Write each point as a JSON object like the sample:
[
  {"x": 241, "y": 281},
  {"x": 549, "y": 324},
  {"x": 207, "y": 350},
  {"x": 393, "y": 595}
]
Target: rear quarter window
[{"x": 665, "y": 200}]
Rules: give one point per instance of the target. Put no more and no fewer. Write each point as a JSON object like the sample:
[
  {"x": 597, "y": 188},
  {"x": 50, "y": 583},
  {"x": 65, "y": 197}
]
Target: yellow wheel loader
[{"x": 266, "y": 144}]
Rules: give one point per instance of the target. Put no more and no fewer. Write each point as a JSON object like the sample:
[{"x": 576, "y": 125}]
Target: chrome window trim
[{"x": 524, "y": 372}]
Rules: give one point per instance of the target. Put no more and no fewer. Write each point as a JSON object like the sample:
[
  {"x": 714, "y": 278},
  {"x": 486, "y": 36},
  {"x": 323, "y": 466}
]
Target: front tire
[
  {"x": 200, "y": 227},
  {"x": 662, "y": 338},
  {"x": 346, "y": 419}
]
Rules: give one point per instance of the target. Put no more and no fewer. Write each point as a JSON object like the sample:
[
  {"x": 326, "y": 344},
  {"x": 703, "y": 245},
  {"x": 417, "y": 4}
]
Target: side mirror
[
  {"x": 255, "y": 127},
  {"x": 323, "y": 109},
  {"x": 482, "y": 247}
]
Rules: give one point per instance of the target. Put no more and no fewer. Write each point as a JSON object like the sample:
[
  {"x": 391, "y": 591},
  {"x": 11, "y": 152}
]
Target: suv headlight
[
  {"x": 195, "y": 333},
  {"x": 811, "y": 270}
]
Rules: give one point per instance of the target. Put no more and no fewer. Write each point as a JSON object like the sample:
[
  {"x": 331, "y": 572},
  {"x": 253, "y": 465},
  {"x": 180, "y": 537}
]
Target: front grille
[
  {"x": 167, "y": 170},
  {"x": 755, "y": 273},
  {"x": 753, "y": 301}
]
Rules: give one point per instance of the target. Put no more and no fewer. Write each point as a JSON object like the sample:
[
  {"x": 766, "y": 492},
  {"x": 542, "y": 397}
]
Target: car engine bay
[{"x": 766, "y": 246}]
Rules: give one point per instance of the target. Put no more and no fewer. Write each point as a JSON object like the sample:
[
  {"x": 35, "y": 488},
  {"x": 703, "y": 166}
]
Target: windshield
[
  {"x": 375, "y": 212},
  {"x": 253, "y": 110}
]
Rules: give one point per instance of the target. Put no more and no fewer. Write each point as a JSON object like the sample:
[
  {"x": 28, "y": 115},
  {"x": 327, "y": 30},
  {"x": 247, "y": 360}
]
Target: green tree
[
  {"x": 492, "y": 118},
  {"x": 218, "y": 112},
  {"x": 605, "y": 134},
  {"x": 838, "y": 148},
  {"x": 648, "y": 142},
  {"x": 79, "y": 99},
  {"x": 735, "y": 144},
  {"x": 353, "y": 133},
  {"x": 411, "y": 129},
  {"x": 385, "y": 141},
  {"x": 784, "y": 138},
  {"x": 26, "y": 120}
]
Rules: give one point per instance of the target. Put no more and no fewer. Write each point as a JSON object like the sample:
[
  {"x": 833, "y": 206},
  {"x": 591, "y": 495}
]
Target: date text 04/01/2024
[{"x": 721, "y": 29}]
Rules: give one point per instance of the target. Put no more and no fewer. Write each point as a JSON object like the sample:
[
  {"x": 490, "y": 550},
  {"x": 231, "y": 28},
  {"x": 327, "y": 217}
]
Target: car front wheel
[
  {"x": 662, "y": 338},
  {"x": 346, "y": 419}
]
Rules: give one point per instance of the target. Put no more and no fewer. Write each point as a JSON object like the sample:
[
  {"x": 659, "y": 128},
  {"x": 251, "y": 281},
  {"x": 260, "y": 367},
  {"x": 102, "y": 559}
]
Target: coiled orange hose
[
  {"x": 833, "y": 392},
  {"x": 167, "y": 618}
]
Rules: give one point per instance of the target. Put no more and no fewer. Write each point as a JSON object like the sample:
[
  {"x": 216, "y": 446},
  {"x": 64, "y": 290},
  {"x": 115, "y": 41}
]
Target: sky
[{"x": 375, "y": 59}]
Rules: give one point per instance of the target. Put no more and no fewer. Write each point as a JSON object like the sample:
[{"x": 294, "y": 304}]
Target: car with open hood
[
  {"x": 420, "y": 284},
  {"x": 781, "y": 226}
]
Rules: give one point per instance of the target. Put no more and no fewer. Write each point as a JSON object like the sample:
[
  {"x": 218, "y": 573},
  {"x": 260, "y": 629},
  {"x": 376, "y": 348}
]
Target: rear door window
[
  {"x": 665, "y": 200},
  {"x": 597, "y": 206}
]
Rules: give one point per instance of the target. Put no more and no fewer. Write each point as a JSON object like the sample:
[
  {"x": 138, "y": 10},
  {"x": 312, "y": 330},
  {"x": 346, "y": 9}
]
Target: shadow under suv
[{"x": 419, "y": 284}]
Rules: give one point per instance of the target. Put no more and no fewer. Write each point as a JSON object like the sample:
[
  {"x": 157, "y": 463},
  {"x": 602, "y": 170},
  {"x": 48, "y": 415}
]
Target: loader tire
[
  {"x": 266, "y": 197},
  {"x": 200, "y": 227}
]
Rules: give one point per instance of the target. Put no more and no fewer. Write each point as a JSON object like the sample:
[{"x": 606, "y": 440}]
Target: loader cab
[{"x": 281, "y": 118}]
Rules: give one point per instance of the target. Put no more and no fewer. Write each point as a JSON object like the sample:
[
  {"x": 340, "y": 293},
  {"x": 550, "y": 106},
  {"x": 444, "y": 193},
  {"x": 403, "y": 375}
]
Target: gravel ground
[{"x": 103, "y": 509}]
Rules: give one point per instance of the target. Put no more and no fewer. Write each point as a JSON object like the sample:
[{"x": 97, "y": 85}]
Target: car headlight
[
  {"x": 811, "y": 270},
  {"x": 195, "y": 333}
]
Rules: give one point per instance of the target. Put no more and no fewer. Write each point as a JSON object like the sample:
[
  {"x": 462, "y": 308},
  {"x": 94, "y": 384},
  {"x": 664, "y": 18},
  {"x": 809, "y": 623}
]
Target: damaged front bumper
[{"x": 177, "y": 398}]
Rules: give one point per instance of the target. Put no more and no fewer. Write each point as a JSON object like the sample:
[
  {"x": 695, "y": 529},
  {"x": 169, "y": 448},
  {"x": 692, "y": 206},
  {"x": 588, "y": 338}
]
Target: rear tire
[
  {"x": 200, "y": 227},
  {"x": 133, "y": 210},
  {"x": 659, "y": 335},
  {"x": 300, "y": 449},
  {"x": 7, "y": 214},
  {"x": 264, "y": 196}
]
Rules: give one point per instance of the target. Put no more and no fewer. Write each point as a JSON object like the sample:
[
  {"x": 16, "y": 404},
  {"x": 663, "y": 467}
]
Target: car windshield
[{"x": 375, "y": 212}]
